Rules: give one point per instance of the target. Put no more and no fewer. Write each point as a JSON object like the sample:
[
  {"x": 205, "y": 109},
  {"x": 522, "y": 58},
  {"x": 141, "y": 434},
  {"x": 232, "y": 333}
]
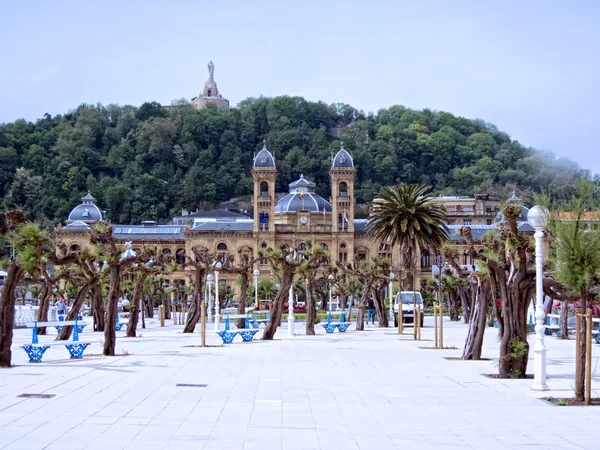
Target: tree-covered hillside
[{"x": 148, "y": 163}]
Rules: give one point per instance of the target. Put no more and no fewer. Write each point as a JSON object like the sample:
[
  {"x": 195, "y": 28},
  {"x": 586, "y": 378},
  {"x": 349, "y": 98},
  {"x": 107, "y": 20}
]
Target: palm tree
[{"x": 405, "y": 215}]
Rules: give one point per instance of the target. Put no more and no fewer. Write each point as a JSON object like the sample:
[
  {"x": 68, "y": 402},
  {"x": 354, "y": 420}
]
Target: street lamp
[
  {"x": 330, "y": 279},
  {"x": 256, "y": 273},
  {"x": 291, "y": 318},
  {"x": 392, "y": 276},
  {"x": 217, "y": 302},
  {"x": 537, "y": 217},
  {"x": 209, "y": 279}
]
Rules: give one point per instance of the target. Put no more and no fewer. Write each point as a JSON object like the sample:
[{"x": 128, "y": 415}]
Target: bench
[
  {"x": 331, "y": 326},
  {"x": 119, "y": 325},
  {"x": 257, "y": 321},
  {"x": 80, "y": 326},
  {"x": 36, "y": 351},
  {"x": 246, "y": 333}
]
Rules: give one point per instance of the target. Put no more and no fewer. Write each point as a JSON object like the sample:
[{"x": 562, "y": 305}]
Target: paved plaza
[{"x": 359, "y": 390}]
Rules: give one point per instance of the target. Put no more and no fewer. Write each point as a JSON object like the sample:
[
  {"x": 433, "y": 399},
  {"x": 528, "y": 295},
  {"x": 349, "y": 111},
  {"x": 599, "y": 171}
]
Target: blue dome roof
[
  {"x": 264, "y": 158},
  {"x": 311, "y": 201},
  {"x": 302, "y": 196},
  {"x": 342, "y": 159},
  {"x": 86, "y": 212}
]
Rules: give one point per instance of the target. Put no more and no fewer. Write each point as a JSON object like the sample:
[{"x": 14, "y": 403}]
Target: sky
[{"x": 530, "y": 67}]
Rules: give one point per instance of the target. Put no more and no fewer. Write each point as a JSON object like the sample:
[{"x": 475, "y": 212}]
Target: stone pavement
[{"x": 368, "y": 390}]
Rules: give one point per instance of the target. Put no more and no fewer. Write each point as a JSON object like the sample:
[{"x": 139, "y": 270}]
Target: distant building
[{"x": 478, "y": 210}]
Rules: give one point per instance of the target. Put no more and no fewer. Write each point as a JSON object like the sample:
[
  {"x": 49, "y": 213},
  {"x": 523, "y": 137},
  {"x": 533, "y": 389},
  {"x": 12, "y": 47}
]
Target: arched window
[
  {"x": 343, "y": 189},
  {"x": 264, "y": 259},
  {"x": 324, "y": 246},
  {"x": 343, "y": 254},
  {"x": 74, "y": 248},
  {"x": 209, "y": 93},
  {"x": 425, "y": 259},
  {"x": 465, "y": 257},
  {"x": 302, "y": 247},
  {"x": 264, "y": 189},
  {"x": 180, "y": 256},
  {"x": 166, "y": 251},
  {"x": 221, "y": 252}
]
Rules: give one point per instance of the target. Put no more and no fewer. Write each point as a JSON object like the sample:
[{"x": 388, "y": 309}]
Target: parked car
[{"x": 409, "y": 299}]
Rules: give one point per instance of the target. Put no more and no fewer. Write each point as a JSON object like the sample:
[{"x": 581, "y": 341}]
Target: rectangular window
[{"x": 467, "y": 222}]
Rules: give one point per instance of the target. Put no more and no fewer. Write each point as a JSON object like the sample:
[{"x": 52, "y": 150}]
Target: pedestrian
[
  {"x": 371, "y": 311},
  {"x": 60, "y": 306}
]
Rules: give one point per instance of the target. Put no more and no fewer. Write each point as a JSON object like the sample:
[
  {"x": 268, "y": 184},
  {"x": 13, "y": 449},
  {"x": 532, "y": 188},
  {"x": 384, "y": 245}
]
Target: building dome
[
  {"x": 514, "y": 201},
  {"x": 342, "y": 159},
  {"x": 264, "y": 158},
  {"x": 302, "y": 197},
  {"x": 87, "y": 212}
]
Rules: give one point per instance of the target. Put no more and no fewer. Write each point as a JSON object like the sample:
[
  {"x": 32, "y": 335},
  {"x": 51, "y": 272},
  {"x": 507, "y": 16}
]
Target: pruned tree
[
  {"x": 201, "y": 261},
  {"x": 314, "y": 258},
  {"x": 284, "y": 261},
  {"x": 31, "y": 245},
  {"x": 112, "y": 253},
  {"x": 244, "y": 270},
  {"x": 85, "y": 275},
  {"x": 157, "y": 264}
]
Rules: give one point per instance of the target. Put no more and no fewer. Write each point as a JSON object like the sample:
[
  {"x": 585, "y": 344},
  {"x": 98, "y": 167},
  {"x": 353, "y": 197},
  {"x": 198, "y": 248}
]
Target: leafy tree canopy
[{"x": 148, "y": 163}]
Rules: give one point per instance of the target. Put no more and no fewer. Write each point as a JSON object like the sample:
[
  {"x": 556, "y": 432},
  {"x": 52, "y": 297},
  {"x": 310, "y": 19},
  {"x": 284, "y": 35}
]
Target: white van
[{"x": 409, "y": 299}]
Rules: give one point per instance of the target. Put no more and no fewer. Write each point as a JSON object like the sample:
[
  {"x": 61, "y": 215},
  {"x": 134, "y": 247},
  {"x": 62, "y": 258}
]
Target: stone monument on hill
[{"x": 210, "y": 93}]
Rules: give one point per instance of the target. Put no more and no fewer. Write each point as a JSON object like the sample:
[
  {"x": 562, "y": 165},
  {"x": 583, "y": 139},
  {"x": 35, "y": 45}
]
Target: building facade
[{"x": 290, "y": 220}]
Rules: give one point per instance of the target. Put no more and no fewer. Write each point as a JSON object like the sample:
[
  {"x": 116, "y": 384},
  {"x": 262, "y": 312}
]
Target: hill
[{"x": 148, "y": 163}]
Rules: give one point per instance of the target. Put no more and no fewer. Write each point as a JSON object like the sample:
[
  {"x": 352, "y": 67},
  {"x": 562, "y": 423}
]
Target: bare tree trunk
[
  {"x": 360, "y": 316},
  {"x": 350, "y": 301},
  {"x": 134, "y": 312},
  {"x": 143, "y": 313},
  {"x": 477, "y": 325},
  {"x": 195, "y": 309},
  {"x": 98, "y": 309},
  {"x": 277, "y": 305},
  {"x": 514, "y": 349},
  {"x": 310, "y": 309},
  {"x": 380, "y": 307},
  {"x": 7, "y": 312},
  {"x": 466, "y": 307},
  {"x": 149, "y": 304},
  {"x": 65, "y": 332},
  {"x": 241, "y": 322},
  {"x": 453, "y": 305},
  {"x": 42, "y": 315},
  {"x": 110, "y": 334},
  {"x": 580, "y": 391},
  {"x": 564, "y": 320}
]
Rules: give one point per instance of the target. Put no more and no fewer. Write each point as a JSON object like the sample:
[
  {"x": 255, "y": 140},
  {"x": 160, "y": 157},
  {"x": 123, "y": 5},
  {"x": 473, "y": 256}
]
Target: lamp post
[
  {"x": 330, "y": 279},
  {"x": 537, "y": 217},
  {"x": 217, "y": 302},
  {"x": 439, "y": 260},
  {"x": 209, "y": 279},
  {"x": 391, "y": 288},
  {"x": 291, "y": 318},
  {"x": 256, "y": 273}
]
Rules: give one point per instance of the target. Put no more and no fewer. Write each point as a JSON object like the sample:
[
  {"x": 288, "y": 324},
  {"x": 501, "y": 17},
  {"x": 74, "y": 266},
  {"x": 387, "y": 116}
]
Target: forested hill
[{"x": 148, "y": 163}]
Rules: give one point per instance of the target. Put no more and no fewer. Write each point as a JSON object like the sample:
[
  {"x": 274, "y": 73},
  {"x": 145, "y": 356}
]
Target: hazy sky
[{"x": 530, "y": 67}]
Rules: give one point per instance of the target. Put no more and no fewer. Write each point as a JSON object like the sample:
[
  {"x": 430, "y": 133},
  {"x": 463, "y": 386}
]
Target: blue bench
[
  {"x": 120, "y": 325},
  {"x": 256, "y": 322},
  {"x": 80, "y": 326},
  {"x": 331, "y": 326},
  {"x": 246, "y": 333},
  {"x": 36, "y": 351}
]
